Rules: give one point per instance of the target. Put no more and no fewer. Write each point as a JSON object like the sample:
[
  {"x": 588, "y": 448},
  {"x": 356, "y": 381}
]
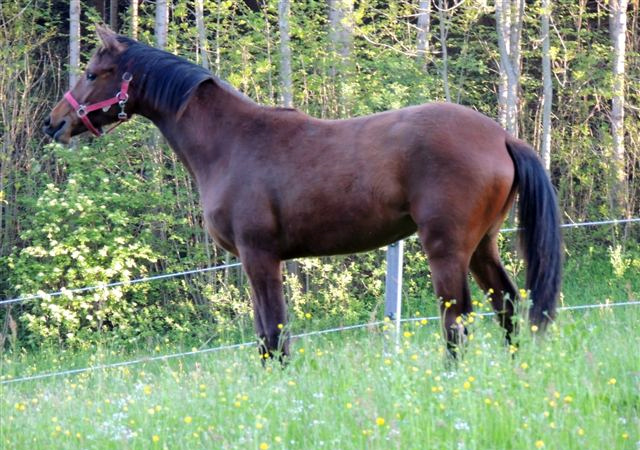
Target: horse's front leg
[{"x": 269, "y": 307}]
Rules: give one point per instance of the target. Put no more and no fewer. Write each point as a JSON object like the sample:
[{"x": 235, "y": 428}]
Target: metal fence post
[{"x": 393, "y": 286}]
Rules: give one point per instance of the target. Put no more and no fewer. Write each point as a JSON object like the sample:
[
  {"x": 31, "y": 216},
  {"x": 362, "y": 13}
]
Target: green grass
[{"x": 576, "y": 388}]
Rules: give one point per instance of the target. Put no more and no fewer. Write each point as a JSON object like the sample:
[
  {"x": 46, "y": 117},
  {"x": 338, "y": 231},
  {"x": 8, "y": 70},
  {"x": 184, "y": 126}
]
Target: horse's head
[{"x": 98, "y": 98}]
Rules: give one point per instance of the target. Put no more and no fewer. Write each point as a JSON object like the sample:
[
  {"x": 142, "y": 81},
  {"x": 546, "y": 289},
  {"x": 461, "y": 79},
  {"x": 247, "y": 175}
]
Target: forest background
[{"x": 563, "y": 75}]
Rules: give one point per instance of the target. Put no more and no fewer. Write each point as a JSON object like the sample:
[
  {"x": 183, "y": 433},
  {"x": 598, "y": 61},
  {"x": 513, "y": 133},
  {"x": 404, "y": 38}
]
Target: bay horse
[{"x": 277, "y": 184}]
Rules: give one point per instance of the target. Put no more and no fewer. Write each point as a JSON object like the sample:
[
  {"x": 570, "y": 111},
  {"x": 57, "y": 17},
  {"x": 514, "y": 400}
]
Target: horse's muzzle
[{"x": 55, "y": 131}]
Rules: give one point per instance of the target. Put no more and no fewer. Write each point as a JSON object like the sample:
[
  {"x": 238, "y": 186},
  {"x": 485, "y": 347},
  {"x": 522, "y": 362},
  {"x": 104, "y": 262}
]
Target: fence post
[{"x": 393, "y": 286}]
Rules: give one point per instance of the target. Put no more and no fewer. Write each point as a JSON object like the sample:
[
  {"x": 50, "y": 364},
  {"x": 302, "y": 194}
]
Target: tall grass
[{"x": 578, "y": 387}]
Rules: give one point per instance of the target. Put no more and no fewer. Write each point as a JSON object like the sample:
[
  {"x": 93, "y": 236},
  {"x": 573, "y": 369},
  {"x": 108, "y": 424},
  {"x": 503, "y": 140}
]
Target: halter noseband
[{"x": 120, "y": 98}]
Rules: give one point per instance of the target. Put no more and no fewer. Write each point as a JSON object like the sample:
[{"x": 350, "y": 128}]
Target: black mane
[{"x": 165, "y": 80}]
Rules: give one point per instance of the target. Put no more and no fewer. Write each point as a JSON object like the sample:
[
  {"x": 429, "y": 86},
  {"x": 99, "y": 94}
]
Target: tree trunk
[
  {"x": 113, "y": 15},
  {"x": 341, "y": 36},
  {"x": 618, "y": 30},
  {"x": 509, "y": 15},
  {"x": 547, "y": 86},
  {"x": 134, "y": 19},
  {"x": 202, "y": 34},
  {"x": 162, "y": 22},
  {"x": 443, "y": 16},
  {"x": 285, "y": 53},
  {"x": 424, "y": 30},
  {"x": 74, "y": 41}
]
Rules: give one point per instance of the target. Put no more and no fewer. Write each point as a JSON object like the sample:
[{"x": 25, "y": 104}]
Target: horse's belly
[{"x": 345, "y": 238}]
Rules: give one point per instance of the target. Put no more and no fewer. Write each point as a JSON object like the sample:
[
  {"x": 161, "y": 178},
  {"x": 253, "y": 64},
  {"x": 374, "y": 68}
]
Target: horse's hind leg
[
  {"x": 449, "y": 264},
  {"x": 492, "y": 277},
  {"x": 269, "y": 307}
]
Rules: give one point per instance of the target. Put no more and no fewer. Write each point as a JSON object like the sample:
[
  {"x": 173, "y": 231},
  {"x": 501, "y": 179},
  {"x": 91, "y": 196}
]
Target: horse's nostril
[{"x": 47, "y": 121}]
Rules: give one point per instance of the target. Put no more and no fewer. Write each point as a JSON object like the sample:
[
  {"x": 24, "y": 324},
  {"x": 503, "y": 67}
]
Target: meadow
[{"x": 578, "y": 387}]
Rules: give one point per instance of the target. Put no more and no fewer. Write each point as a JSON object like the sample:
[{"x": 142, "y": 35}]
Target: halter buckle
[{"x": 81, "y": 111}]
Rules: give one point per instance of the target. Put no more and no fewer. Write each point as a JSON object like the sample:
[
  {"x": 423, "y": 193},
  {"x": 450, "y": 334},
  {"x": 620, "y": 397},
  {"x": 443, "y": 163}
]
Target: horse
[{"x": 277, "y": 184}]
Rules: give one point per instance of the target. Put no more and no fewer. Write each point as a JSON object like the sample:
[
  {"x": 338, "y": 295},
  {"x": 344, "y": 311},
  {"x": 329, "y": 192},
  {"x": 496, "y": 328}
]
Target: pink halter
[{"x": 120, "y": 98}]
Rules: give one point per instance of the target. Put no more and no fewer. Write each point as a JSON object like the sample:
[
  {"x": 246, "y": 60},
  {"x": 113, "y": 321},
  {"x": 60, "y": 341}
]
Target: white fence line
[
  {"x": 246, "y": 344},
  {"x": 227, "y": 266},
  {"x": 116, "y": 283}
]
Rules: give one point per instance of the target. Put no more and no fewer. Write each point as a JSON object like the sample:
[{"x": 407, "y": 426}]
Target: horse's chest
[{"x": 218, "y": 222}]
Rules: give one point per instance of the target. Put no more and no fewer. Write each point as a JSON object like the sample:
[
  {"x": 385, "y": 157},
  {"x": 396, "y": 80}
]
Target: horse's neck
[{"x": 201, "y": 134}]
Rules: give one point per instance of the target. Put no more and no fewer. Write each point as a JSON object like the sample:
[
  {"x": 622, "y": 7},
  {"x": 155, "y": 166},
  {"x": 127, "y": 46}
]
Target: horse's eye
[{"x": 91, "y": 76}]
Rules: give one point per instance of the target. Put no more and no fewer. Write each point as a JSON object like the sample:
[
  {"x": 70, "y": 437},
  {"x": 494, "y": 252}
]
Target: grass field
[{"x": 576, "y": 388}]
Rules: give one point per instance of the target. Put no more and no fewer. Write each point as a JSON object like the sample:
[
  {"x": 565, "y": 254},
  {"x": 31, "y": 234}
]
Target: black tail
[{"x": 539, "y": 234}]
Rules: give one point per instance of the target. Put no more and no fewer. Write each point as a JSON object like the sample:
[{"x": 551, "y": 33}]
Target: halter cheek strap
[{"x": 120, "y": 98}]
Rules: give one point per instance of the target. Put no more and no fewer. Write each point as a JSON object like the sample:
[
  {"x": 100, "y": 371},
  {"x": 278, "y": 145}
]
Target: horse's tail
[{"x": 539, "y": 234}]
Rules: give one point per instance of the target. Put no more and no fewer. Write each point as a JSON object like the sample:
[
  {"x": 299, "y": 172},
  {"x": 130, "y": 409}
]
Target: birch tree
[
  {"x": 341, "y": 35},
  {"x": 285, "y": 53},
  {"x": 162, "y": 23},
  {"x": 443, "y": 16},
  {"x": 202, "y": 34},
  {"x": 424, "y": 30},
  {"x": 509, "y": 15},
  {"x": 134, "y": 19},
  {"x": 547, "y": 86},
  {"x": 618, "y": 30},
  {"x": 74, "y": 41},
  {"x": 113, "y": 15}
]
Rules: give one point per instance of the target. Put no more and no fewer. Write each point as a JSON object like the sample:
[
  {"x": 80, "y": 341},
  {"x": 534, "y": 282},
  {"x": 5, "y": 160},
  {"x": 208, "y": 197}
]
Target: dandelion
[
  {"x": 259, "y": 426},
  {"x": 264, "y": 446},
  {"x": 155, "y": 438},
  {"x": 534, "y": 328},
  {"x": 349, "y": 405},
  {"x": 524, "y": 366},
  {"x": 539, "y": 443},
  {"x": 407, "y": 334},
  {"x": 580, "y": 432},
  {"x": 625, "y": 436},
  {"x": 188, "y": 420},
  {"x": 380, "y": 421},
  {"x": 447, "y": 305},
  {"x": 20, "y": 406},
  {"x": 147, "y": 389},
  {"x": 280, "y": 326},
  {"x": 307, "y": 315},
  {"x": 568, "y": 399},
  {"x": 612, "y": 381}
]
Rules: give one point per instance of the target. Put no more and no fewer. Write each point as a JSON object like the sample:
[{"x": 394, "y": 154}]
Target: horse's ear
[{"x": 109, "y": 39}]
